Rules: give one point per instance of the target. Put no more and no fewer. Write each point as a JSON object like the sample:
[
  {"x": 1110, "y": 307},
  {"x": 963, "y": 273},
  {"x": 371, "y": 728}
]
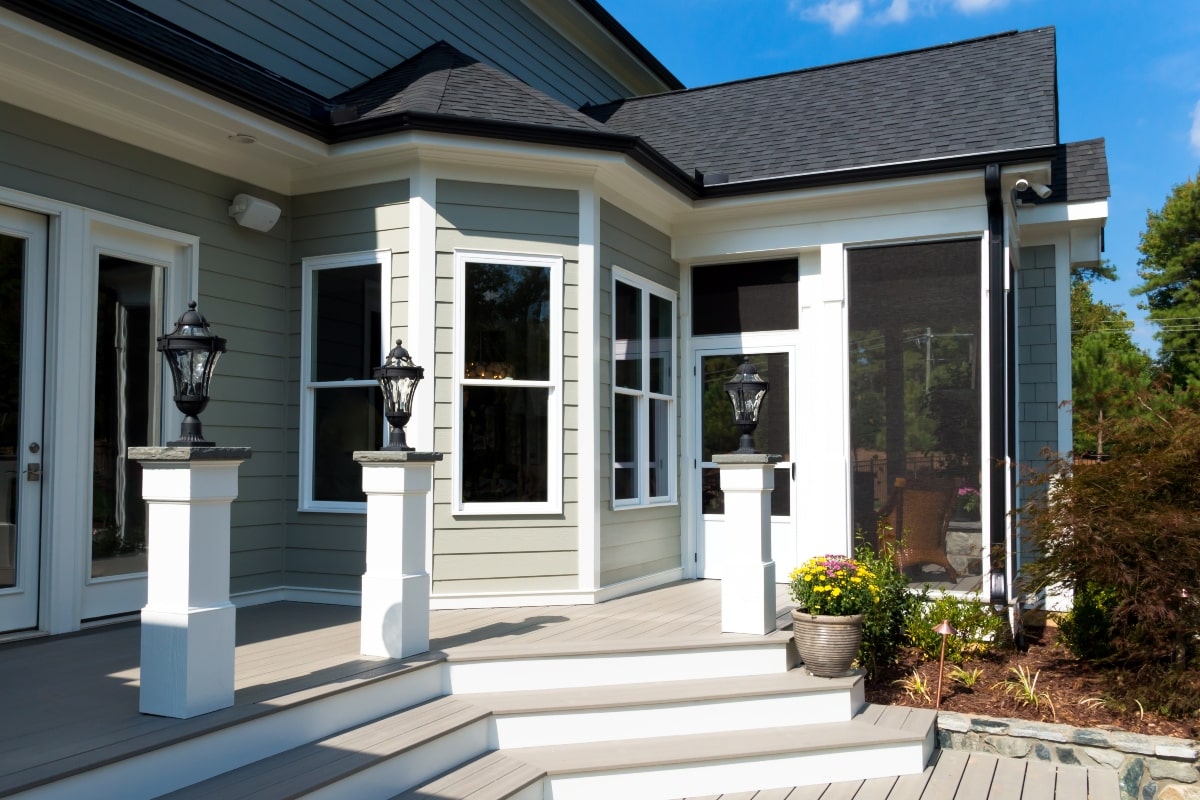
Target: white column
[
  {"x": 188, "y": 623},
  {"x": 748, "y": 573},
  {"x": 395, "y": 587}
]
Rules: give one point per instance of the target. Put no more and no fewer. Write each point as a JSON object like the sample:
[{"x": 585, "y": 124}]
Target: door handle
[{"x": 33, "y": 472}]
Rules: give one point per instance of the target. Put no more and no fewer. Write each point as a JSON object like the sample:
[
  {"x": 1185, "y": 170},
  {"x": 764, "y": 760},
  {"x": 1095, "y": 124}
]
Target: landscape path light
[
  {"x": 944, "y": 629},
  {"x": 746, "y": 391},
  {"x": 191, "y": 351}
]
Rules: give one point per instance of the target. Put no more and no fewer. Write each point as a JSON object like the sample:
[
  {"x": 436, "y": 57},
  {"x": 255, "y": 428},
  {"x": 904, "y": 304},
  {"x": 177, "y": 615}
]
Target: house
[{"x": 576, "y": 248}]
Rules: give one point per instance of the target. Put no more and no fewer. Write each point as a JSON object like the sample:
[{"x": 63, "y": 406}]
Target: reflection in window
[
  {"x": 643, "y": 392},
  {"x": 915, "y": 401},
  {"x": 719, "y": 435},
  {"x": 343, "y": 404},
  {"x": 507, "y": 383},
  {"x": 127, "y": 410}
]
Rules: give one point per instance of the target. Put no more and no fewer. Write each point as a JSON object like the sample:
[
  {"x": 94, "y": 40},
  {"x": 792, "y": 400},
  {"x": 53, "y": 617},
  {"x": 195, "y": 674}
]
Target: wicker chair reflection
[{"x": 919, "y": 514}]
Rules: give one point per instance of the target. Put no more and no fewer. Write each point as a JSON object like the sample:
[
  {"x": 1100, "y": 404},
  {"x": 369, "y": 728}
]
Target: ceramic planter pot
[{"x": 827, "y": 644}]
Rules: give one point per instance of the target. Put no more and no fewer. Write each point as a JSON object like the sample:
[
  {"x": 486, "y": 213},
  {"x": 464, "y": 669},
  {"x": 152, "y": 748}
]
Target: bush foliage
[
  {"x": 884, "y": 622},
  {"x": 979, "y": 628},
  {"x": 1124, "y": 533}
]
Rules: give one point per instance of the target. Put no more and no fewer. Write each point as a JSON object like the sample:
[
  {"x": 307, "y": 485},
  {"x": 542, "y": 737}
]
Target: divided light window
[
  {"x": 508, "y": 356},
  {"x": 643, "y": 392},
  {"x": 341, "y": 407}
]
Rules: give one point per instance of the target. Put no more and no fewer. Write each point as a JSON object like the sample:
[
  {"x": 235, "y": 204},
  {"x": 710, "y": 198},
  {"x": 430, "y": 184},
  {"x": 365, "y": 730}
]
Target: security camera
[{"x": 1040, "y": 189}]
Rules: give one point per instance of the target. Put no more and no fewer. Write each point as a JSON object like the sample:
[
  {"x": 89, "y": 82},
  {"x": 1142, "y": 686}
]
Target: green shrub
[
  {"x": 979, "y": 627},
  {"x": 1086, "y": 629},
  {"x": 884, "y": 622}
]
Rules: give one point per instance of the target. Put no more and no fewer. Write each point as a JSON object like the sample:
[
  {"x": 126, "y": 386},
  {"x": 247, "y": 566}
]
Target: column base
[
  {"x": 395, "y": 615},
  {"x": 748, "y": 599},
  {"x": 187, "y": 661}
]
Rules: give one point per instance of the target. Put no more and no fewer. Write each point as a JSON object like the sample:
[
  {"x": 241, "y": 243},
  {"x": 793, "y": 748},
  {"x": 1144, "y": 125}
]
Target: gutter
[{"x": 1001, "y": 395}]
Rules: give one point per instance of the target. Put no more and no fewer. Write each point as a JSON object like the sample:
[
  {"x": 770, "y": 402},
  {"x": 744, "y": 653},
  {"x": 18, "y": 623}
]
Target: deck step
[
  {"x": 880, "y": 741},
  {"x": 707, "y": 705},
  {"x": 373, "y": 760},
  {"x": 607, "y": 663},
  {"x": 494, "y": 776}
]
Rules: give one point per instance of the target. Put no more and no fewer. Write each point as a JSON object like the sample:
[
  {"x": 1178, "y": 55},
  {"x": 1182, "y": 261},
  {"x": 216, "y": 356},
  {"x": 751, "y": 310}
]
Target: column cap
[
  {"x": 188, "y": 454},
  {"x": 395, "y": 457},
  {"x": 746, "y": 458}
]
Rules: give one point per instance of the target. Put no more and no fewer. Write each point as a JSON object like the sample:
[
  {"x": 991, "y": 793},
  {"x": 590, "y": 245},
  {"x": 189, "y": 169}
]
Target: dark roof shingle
[{"x": 994, "y": 94}]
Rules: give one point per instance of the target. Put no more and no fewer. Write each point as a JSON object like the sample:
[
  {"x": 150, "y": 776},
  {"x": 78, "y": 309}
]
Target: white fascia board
[
  {"x": 886, "y": 211},
  {"x": 55, "y": 75},
  {"x": 1095, "y": 211}
]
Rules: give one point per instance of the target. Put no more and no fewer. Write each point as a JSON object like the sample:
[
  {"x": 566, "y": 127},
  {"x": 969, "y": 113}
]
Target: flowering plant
[{"x": 836, "y": 585}]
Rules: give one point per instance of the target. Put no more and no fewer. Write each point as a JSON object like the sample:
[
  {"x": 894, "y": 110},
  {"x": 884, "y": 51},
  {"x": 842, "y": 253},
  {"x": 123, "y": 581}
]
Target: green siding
[
  {"x": 635, "y": 542},
  {"x": 243, "y": 288},
  {"x": 498, "y": 553},
  {"x": 326, "y": 550}
]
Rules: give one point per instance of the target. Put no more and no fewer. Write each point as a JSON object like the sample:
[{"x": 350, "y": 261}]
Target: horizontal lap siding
[
  {"x": 328, "y": 551},
  {"x": 502, "y": 553},
  {"x": 243, "y": 291},
  {"x": 335, "y": 45},
  {"x": 643, "y": 541}
]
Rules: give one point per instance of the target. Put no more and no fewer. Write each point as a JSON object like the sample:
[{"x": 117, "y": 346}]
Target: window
[
  {"x": 508, "y": 346},
  {"x": 643, "y": 382},
  {"x": 341, "y": 407}
]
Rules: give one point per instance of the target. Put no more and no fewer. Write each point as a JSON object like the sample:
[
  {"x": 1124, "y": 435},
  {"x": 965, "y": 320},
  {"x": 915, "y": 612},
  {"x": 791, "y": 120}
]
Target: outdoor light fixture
[
  {"x": 746, "y": 391},
  {"x": 943, "y": 630},
  {"x": 398, "y": 378},
  {"x": 254, "y": 212},
  {"x": 191, "y": 352}
]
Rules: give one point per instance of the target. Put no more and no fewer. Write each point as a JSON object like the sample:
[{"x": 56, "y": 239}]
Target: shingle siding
[{"x": 1037, "y": 356}]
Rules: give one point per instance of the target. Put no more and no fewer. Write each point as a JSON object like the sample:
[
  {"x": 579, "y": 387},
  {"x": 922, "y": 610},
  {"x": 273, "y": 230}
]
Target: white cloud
[
  {"x": 978, "y": 6},
  {"x": 842, "y": 15},
  {"x": 1195, "y": 137},
  {"x": 839, "y": 15}
]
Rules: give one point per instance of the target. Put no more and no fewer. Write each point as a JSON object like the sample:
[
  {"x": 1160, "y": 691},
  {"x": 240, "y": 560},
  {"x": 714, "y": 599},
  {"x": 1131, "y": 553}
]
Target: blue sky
[{"x": 1127, "y": 71}]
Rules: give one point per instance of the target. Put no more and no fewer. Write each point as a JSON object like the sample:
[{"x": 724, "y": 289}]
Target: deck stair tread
[
  {"x": 493, "y": 776},
  {"x": 552, "y": 648},
  {"x": 303, "y": 769},
  {"x": 794, "y": 681},
  {"x": 860, "y": 733}
]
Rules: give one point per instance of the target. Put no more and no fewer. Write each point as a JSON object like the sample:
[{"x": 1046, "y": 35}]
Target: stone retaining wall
[{"x": 1144, "y": 764}]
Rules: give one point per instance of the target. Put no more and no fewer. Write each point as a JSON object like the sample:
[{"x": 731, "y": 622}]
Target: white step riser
[
  {"x": 413, "y": 767},
  {"x": 746, "y": 775},
  {"x": 174, "y": 767},
  {"x": 609, "y": 670},
  {"x": 571, "y": 727}
]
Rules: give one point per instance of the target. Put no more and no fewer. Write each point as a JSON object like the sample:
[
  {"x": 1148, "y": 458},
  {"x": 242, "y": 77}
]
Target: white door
[
  {"x": 775, "y": 434},
  {"x": 22, "y": 342}
]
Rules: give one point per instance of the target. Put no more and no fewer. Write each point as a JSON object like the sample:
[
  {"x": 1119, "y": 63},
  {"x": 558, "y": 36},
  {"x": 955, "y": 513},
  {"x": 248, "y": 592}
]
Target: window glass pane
[
  {"x": 344, "y": 420},
  {"x": 347, "y": 323},
  {"x": 914, "y": 319},
  {"x": 661, "y": 341},
  {"x": 625, "y": 436},
  {"x": 505, "y": 448},
  {"x": 660, "y": 472},
  {"x": 735, "y": 298},
  {"x": 126, "y": 401},
  {"x": 12, "y": 263},
  {"x": 507, "y": 322},
  {"x": 627, "y": 337}
]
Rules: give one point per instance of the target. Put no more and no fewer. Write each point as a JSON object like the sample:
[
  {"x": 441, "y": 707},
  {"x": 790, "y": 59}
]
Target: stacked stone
[{"x": 1146, "y": 766}]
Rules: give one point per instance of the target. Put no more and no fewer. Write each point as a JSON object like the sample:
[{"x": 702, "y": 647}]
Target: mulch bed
[{"x": 1069, "y": 685}]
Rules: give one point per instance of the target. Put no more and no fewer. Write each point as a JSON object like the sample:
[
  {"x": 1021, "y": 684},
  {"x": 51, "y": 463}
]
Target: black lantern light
[
  {"x": 191, "y": 351},
  {"x": 747, "y": 391},
  {"x": 398, "y": 378}
]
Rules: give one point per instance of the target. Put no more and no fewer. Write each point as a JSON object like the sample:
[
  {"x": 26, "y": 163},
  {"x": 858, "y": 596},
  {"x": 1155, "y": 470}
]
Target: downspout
[{"x": 999, "y": 402}]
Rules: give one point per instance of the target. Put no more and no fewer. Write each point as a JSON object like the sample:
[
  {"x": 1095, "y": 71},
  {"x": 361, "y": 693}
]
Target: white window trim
[
  {"x": 554, "y": 434},
  {"x": 311, "y": 265},
  {"x": 644, "y": 396}
]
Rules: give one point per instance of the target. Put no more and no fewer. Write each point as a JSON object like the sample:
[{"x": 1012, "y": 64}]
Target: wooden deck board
[
  {"x": 1009, "y": 779},
  {"x": 976, "y": 778}
]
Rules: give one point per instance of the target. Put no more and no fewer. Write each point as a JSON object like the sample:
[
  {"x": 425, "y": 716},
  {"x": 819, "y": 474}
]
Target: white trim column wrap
[
  {"x": 589, "y": 430},
  {"x": 396, "y": 585},
  {"x": 748, "y": 577},
  {"x": 188, "y": 623},
  {"x": 422, "y": 298}
]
